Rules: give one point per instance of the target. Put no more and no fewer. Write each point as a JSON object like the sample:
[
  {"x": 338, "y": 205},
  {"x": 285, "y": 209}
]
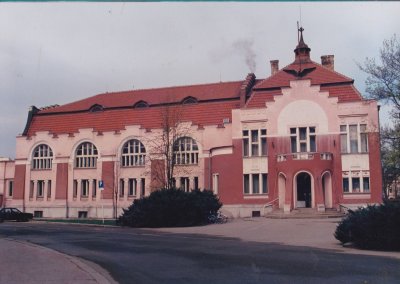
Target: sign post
[{"x": 101, "y": 187}]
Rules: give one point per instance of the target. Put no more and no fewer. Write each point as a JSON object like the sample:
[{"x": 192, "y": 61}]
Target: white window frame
[
  {"x": 362, "y": 138},
  {"x": 215, "y": 184},
  {"x": 85, "y": 188},
  {"x": 87, "y": 158},
  {"x": 186, "y": 151},
  {"x": 10, "y": 188},
  {"x": 353, "y": 175},
  {"x": 40, "y": 188},
  {"x": 251, "y": 178},
  {"x": 42, "y": 157},
  {"x": 259, "y": 143},
  {"x": 132, "y": 186},
  {"x": 296, "y": 134},
  {"x": 133, "y": 154}
]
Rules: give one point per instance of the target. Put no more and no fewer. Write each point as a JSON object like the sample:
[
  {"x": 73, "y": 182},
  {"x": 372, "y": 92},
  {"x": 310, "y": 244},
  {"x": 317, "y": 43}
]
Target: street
[{"x": 154, "y": 256}]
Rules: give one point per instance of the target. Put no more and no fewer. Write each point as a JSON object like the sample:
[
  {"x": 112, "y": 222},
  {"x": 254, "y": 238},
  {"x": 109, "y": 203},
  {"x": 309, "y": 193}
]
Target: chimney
[
  {"x": 274, "y": 66},
  {"x": 328, "y": 61}
]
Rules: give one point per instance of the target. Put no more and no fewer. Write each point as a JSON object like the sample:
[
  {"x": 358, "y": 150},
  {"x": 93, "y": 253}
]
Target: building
[{"x": 303, "y": 137}]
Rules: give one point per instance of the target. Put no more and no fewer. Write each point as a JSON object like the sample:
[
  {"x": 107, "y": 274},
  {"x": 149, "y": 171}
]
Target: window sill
[
  {"x": 356, "y": 153},
  {"x": 356, "y": 195},
  {"x": 249, "y": 157},
  {"x": 135, "y": 166},
  {"x": 256, "y": 196},
  {"x": 38, "y": 170}
]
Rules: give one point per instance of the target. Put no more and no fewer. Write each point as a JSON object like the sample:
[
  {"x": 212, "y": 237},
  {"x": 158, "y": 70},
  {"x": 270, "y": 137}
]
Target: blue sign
[{"x": 101, "y": 184}]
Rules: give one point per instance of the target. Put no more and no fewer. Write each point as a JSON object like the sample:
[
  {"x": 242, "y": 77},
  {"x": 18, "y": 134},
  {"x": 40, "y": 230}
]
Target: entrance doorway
[{"x": 303, "y": 181}]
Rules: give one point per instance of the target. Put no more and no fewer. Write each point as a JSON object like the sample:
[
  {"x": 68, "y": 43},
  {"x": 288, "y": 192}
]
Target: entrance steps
[{"x": 304, "y": 213}]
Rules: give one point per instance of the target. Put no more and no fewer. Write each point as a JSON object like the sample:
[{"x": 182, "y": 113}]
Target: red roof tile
[
  {"x": 223, "y": 90},
  {"x": 318, "y": 74},
  {"x": 258, "y": 99},
  {"x": 344, "y": 93},
  {"x": 211, "y": 113}
]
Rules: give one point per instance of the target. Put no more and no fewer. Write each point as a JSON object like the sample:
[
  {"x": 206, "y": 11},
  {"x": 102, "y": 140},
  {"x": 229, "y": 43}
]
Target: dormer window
[
  {"x": 141, "y": 104},
  {"x": 189, "y": 100},
  {"x": 96, "y": 108}
]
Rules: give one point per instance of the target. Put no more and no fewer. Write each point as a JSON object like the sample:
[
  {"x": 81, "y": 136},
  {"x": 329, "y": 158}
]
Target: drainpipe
[{"x": 380, "y": 152}]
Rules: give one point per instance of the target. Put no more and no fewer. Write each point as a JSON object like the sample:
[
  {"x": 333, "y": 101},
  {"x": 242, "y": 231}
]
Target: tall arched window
[
  {"x": 133, "y": 154},
  {"x": 186, "y": 151},
  {"x": 86, "y": 155},
  {"x": 42, "y": 157}
]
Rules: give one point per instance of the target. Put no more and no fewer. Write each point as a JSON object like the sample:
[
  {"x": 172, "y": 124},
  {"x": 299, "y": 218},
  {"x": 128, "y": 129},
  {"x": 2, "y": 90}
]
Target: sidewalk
[
  {"x": 315, "y": 233},
  {"x": 22, "y": 262}
]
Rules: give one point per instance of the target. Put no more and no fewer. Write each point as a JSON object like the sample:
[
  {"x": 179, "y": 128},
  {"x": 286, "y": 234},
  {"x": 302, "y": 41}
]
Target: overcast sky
[{"x": 55, "y": 53}]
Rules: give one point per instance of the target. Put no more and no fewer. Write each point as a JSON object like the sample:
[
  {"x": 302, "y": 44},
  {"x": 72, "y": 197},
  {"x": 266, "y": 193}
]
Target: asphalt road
[{"x": 146, "y": 256}]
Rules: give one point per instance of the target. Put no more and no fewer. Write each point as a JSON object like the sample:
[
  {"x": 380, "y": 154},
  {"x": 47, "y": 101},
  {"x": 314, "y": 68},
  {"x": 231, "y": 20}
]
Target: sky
[{"x": 56, "y": 53}]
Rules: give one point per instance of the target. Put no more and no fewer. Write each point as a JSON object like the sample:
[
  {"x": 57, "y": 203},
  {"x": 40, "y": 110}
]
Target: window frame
[
  {"x": 361, "y": 143},
  {"x": 249, "y": 182},
  {"x": 135, "y": 155},
  {"x": 185, "y": 151},
  {"x": 88, "y": 156},
  {"x": 42, "y": 157},
  {"x": 309, "y": 140},
  {"x": 254, "y": 143},
  {"x": 357, "y": 182}
]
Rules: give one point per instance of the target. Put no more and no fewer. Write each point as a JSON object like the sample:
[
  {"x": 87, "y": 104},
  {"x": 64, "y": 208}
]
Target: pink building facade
[{"x": 303, "y": 137}]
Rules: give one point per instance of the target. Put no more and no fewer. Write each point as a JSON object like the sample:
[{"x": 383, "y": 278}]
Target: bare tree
[
  {"x": 116, "y": 189},
  {"x": 383, "y": 82},
  {"x": 163, "y": 146}
]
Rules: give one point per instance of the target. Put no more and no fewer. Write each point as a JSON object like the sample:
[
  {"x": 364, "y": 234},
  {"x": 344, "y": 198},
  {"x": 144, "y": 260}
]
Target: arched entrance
[{"x": 303, "y": 190}]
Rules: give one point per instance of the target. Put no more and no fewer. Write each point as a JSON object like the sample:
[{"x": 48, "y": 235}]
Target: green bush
[
  {"x": 373, "y": 227},
  {"x": 171, "y": 208}
]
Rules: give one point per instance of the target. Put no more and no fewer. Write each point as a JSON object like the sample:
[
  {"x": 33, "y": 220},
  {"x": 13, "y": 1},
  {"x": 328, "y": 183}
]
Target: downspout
[{"x": 380, "y": 152}]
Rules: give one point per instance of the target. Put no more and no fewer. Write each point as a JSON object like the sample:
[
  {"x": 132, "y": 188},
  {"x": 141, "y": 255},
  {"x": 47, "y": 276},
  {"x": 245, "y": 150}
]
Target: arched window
[
  {"x": 96, "y": 108},
  {"x": 141, "y": 104},
  {"x": 86, "y": 156},
  {"x": 189, "y": 100},
  {"x": 186, "y": 151},
  {"x": 133, "y": 153},
  {"x": 42, "y": 157}
]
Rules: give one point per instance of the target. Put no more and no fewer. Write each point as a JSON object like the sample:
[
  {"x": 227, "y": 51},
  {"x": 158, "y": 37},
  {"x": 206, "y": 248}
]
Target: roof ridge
[
  {"x": 170, "y": 87},
  {"x": 334, "y": 71}
]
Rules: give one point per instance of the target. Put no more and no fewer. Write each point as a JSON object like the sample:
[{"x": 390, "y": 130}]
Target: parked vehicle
[{"x": 15, "y": 215}]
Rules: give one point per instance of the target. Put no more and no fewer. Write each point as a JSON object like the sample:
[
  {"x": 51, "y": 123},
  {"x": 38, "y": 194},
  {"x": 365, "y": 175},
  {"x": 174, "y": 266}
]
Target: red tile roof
[
  {"x": 211, "y": 113},
  {"x": 318, "y": 74},
  {"x": 258, "y": 99},
  {"x": 223, "y": 90}
]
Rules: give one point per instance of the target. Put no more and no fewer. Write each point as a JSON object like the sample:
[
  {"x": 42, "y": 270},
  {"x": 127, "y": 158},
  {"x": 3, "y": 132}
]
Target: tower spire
[{"x": 302, "y": 50}]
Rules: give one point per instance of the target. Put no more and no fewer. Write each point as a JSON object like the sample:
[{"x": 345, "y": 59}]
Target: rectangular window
[
  {"x": 184, "y": 184},
  {"x": 246, "y": 184},
  {"x": 263, "y": 137},
  {"x": 40, "y": 188},
  {"x": 355, "y": 183},
  {"x": 215, "y": 183},
  {"x": 84, "y": 188},
  {"x": 121, "y": 187},
  {"x": 49, "y": 189},
  {"x": 343, "y": 138},
  {"x": 31, "y": 188},
  {"x": 132, "y": 187},
  {"x": 38, "y": 214},
  {"x": 10, "y": 188},
  {"x": 245, "y": 143},
  {"x": 346, "y": 185},
  {"x": 254, "y": 142},
  {"x": 264, "y": 183},
  {"x": 366, "y": 184},
  {"x": 142, "y": 186},
  {"x": 303, "y": 139},
  {"x": 94, "y": 188},
  {"x": 196, "y": 183},
  {"x": 353, "y": 138},
  {"x": 75, "y": 188},
  {"x": 363, "y": 138},
  {"x": 256, "y": 183}
]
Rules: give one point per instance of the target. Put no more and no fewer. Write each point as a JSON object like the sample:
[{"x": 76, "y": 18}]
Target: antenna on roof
[{"x": 298, "y": 36}]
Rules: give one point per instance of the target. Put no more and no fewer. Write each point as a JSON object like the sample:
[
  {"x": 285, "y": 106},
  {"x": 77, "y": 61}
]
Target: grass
[{"x": 81, "y": 221}]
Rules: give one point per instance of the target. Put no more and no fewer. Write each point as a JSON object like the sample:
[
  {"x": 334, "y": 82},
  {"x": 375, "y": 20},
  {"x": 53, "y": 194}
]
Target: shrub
[
  {"x": 372, "y": 227},
  {"x": 171, "y": 208}
]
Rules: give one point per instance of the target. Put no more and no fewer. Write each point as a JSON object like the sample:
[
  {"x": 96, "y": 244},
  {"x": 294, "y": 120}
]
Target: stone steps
[{"x": 305, "y": 213}]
